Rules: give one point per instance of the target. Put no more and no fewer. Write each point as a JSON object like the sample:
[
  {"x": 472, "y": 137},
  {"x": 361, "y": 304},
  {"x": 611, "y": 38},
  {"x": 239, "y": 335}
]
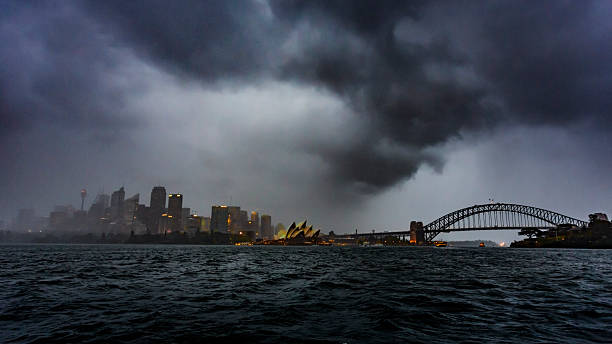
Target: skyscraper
[
  {"x": 130, "y": 206},
  {"x": 255, "y": 223},
  {"x": 158, "y": 198},
  {"x": 175, "y": 206},
  {"x": 25, "y": 218},
  {"x": 266, "y": 227},
  {"x": 156, "y": 208},
  {"x": 116, "y": 205},
  {"x": 219, "y": 217},
  {"x": 255, "y": 218},
  {"x": 234, "y": 219}
]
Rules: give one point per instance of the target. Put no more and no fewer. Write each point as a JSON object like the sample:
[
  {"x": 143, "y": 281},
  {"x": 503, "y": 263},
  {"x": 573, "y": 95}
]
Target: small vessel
[
  {"x": 481, "y": 244},
  {"x": 440, "y": 243}
]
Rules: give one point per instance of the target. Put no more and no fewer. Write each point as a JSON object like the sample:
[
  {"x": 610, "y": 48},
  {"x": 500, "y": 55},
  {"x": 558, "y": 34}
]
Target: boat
[
  {"x": 440, "y": 243},
  {"x": 481, "y": 244}
]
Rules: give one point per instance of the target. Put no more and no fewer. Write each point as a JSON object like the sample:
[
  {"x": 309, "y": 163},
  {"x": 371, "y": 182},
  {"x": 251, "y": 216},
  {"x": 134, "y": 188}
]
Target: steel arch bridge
[
  {"x": 493, "y": 216},
  {"x": 497, "y": 216}
]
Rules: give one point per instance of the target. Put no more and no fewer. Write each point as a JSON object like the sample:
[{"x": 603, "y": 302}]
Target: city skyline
[{"x": 379, "y": 113}]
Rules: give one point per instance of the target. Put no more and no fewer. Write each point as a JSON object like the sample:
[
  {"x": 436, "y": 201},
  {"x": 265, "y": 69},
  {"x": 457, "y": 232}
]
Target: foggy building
[
  {"x": 97, "y": 216},
  {"x": 79, "y": 220},
  {"x": 25, "y": 219},
  {"x": 266, "y": 227},
  {"x": 219, "y": 219},
  {"x": 116, "y": 204},
  {"x": 175, "y": 211},
  {"x": 130, "y": 206},
  {"x": 98, "y": 207},
  {"x": 156, "y": 208},
  {"x": 158, "y": 198},
  {"x": 58, "y": 219}
]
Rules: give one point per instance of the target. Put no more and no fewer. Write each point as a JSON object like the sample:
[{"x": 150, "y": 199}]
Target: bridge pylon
[{"x": 417, "y": 234}]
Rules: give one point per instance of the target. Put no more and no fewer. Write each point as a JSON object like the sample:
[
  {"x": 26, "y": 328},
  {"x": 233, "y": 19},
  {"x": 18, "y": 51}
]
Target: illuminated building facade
[
  {"x": 417, "y": 235},
  {"x": 300, "y": 233}
]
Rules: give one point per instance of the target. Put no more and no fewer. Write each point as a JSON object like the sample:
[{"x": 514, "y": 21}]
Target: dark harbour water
[{"x": 184, "y": 294}]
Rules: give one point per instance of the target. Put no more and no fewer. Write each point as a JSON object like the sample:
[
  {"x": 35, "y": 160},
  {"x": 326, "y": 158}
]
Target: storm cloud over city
[{"x": 349, "y": 113}]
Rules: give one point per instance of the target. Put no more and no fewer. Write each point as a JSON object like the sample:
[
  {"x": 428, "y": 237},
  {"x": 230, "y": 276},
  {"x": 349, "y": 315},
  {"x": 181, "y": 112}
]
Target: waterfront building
[
  {"x": 175, "y": 211},
  {"x": 205, "y": 225},
  {"x": 192, "y": 224},
  {"x": 98, "y": 216},
  {"x": 255, "y": 220},
  {"x": 130, "y": 207},
  {"x": 266, "y": 227},
  {"x": 158, "y": 198},
  {"x": 219, "y": 219},
  {"x": 301, "y": 233},
  {"x": 25, "y": 218},
  {"x": 417, "y": 234},
  {"x": 280, "y": 231},
  {"x": 156, "y": 208},
  {"x": 234, "y": 222},
  {"x": 58, "y": 219},
  {"x": 185, "y": 213},
  {"x": 116, "y": 204}
]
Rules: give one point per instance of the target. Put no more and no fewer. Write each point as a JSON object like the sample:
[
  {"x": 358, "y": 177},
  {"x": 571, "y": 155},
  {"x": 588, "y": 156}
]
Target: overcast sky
[{"x": 352, "y": 114}]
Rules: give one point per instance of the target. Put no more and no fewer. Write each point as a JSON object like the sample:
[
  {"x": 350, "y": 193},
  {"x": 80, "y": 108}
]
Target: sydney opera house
[{"x": 300, "y": 234}]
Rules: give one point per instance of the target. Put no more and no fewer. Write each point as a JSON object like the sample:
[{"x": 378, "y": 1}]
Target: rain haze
[{"x": 351, "y": 114}]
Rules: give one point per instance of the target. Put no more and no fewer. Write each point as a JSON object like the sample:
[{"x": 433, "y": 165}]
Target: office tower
[
  {"x": 25, "y": 217},
  {"x": 130, "y": 206},
  {"x": 156, "y": 208},
  {"x": 255, "y": 219},
  {"x": 103, "y": 200},
  {"x": 205, "y": 225},
  {"x": 254, "y": 224},
  {"x": 219, "y": 219},
  {"x": 266, "y": 227},
  {"x": 185, "y": 212},
  {"x": 58, "y": 219},
  {"x": 233, "y": 219},
  {"x": 116, "y": 204},
  {"x": 175, "y": 206},
  {"x": 158, "y": 198}
]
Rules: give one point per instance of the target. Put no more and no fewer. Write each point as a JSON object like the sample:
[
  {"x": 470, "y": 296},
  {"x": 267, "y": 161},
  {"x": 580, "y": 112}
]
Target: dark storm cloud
[
  {"x": 415, "y": 74},
  {"x": 54, "y": 67},
  {"x": 210, "y": 40}
]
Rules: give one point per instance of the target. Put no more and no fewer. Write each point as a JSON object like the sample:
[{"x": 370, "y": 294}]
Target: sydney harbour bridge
[{"x": 493, "y": 216}]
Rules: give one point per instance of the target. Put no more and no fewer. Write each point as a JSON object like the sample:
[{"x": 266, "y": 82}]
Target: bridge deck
[{"x": 400, "y": 233}]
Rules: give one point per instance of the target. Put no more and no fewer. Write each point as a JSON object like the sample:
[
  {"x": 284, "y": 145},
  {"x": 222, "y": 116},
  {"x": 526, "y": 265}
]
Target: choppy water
[{"x": 71, "y": 293}]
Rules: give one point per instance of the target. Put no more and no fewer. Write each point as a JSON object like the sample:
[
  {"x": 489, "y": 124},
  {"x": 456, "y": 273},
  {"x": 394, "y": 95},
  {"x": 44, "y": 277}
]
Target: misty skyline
[{"x": 352, "y": 114}]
